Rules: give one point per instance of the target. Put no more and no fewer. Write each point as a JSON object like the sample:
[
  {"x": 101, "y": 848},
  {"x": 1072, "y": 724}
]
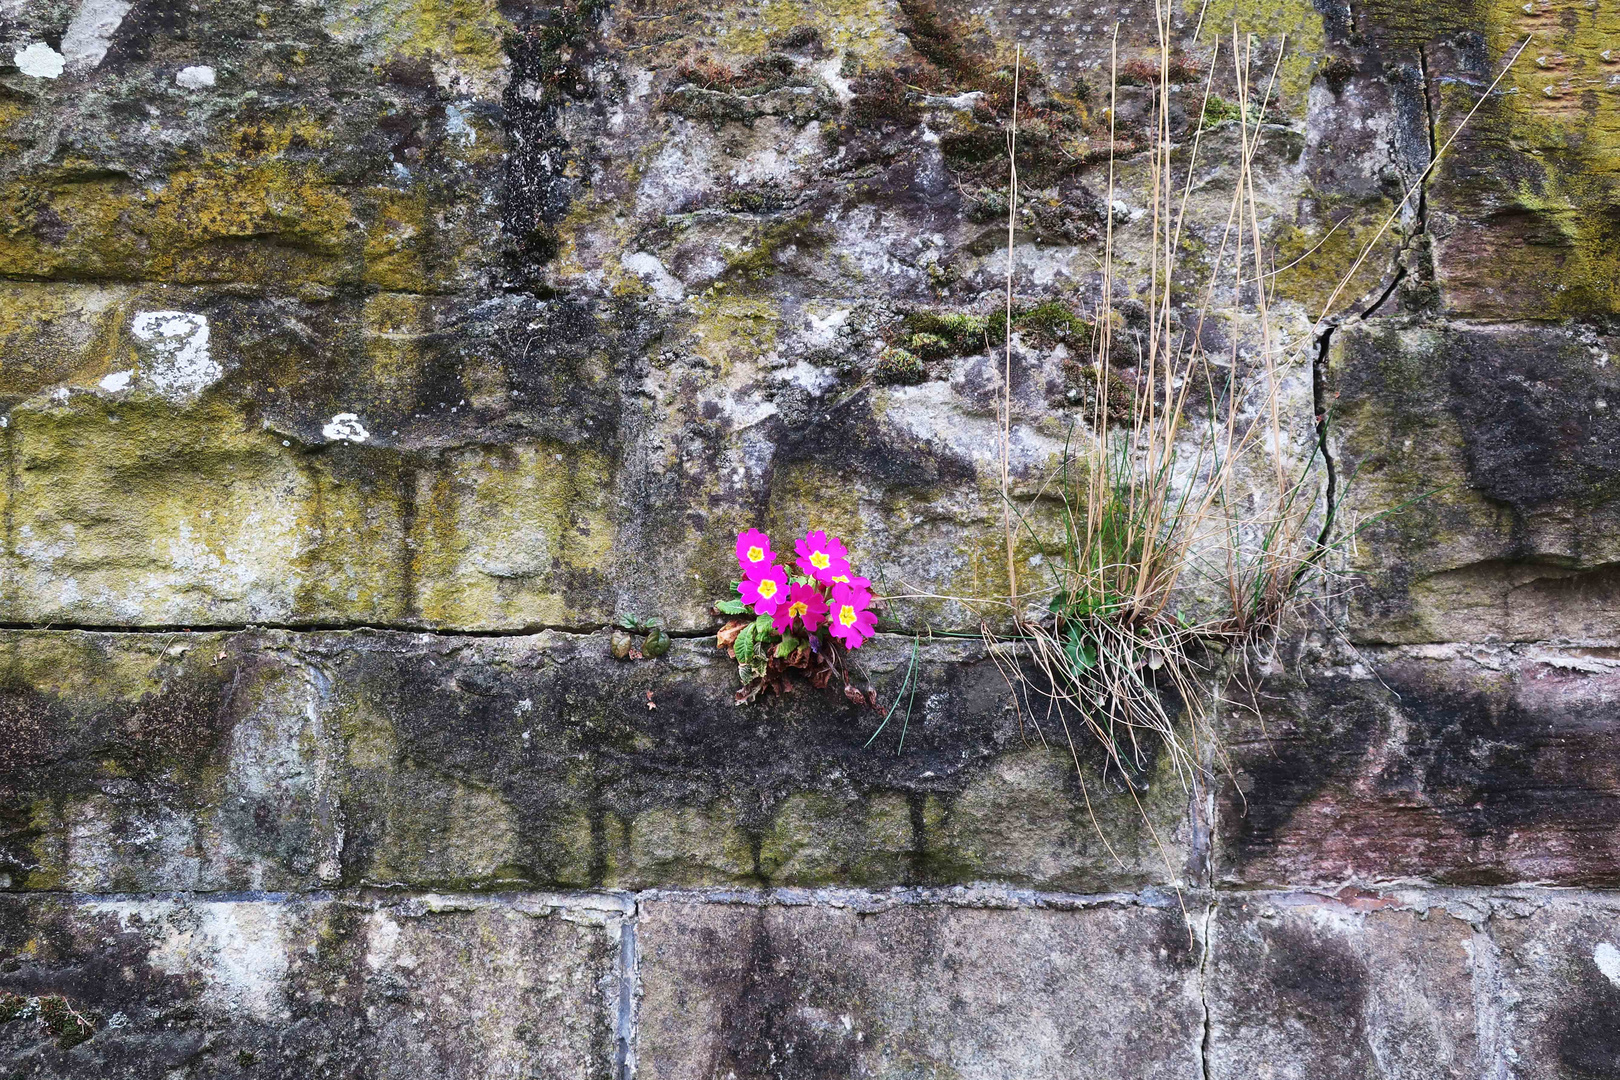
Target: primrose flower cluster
[{"x": 824, "y": 592}]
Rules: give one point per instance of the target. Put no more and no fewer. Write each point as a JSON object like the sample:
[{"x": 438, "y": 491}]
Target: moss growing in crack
[
  {"x": 11, "y": 1006},
  {"x": 1218, "y": 110},
  {"x": 929, "y": 346},
  {"x": 1045, "y": 325},
  {"x": 766, "y": 197},
  {"x": 1052, "y": 321},
  {"x": 1139, "y": 72},
  {"x": 758, "y": 76},
  {"x": 1057, "y": 133},
  {"x": 898, "y": 367},
  {"x": 760, "y": 261},
  {"x": 67, "y": 1025},
  {"x": 946, "y": 333}
]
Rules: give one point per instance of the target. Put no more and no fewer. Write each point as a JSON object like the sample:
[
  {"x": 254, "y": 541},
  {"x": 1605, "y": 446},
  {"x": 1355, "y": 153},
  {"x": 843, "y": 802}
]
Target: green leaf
[
  {"x": 788, "y": 646},
  {"x": 762, "y": 626},
  {"x": 744, "y": 646},
  {"x": 733, "y": 606},
  {"x": 1082, "y": 654}
]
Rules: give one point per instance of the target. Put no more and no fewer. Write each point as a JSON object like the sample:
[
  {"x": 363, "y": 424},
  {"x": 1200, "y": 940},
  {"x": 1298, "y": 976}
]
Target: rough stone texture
[
  {"x": 813, "y": 991},
  {"x": 1485, "y": 467},
  {"x": 1557, "y": 968},
  {"x": 272, "y": 760},
  {"x": 494, "y": 320},
  {"x": 320, "y": 985},
  {"x": 1459, "y": 764},
  {"x": 1312, "y": 989}
]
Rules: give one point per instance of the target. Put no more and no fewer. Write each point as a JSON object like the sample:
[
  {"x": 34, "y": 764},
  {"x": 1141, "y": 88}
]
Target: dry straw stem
[
  {"x": 1006, "y": 375},
  {"x": 1196, "y": 484}
]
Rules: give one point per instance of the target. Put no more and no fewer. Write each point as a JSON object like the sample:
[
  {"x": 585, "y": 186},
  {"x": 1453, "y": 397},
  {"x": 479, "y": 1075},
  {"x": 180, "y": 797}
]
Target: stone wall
[{"x": 363, "y": 360}]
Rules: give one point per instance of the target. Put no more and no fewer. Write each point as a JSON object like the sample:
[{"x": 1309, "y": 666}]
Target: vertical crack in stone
[
  {"x": 1489, "y": 1020},
  {"x": 1322, "y": 412},
  {"x": 1207, "y": 1035},
  {"x": 1417, "y": 236},
  {"x": 1429, "y": 118},
  {"x": 629, "y": 978}
]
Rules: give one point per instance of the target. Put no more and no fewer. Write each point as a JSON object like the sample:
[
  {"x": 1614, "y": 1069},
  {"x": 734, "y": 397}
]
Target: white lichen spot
[
  {"x": 197, "y": 77},
  {"x": 239, "y": 948},
  {"x": 118, "y": 380},
  {"x": 88, "y": 36},
  {"x": 647, "y": 267},
  {"x": 1607, "y": 959},
  {"x": 178, "y": 364},
  {"x": 640, "y": 85},
  {"x": 456, "y": 125},
  {"x": 39, "y": 60},
  {"x": 345, "y": 427},
  {"x": 815, "y": 380},
  {"x": 384, "y": 944},
  {"x": 832, "y": 73}
]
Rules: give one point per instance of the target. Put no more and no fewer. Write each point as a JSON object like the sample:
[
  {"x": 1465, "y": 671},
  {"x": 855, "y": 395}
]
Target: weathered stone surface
[
  {"x": 1304, "y": 988},
  {"x": 292, "y": 761},
  {"x": 465, "y": 316},
  {"x": 340, "y": 985},
  {"x": 1560, "y": 981},
  {"x": 1464, "y": 764},
  {"x": 593, "y": 304},
  {"x": 1483, "y": 476},
  {"x": 750, "y": 990}
]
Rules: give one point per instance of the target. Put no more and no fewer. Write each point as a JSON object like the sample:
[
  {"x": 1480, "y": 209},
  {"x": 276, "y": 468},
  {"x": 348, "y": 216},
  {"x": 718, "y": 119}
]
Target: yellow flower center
[
  {"x": 767, "y": 588},
  {"x": 795, "y": 610},
  {"x": 842, "y": 578},
  {"x": 756, "y": 554},
  {"x": 846, "y": 615},
  {"x": 820, "y": 560}
]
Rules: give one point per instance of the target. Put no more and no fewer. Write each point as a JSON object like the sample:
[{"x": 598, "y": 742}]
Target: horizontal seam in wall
[{"x": 981, "y": 896}]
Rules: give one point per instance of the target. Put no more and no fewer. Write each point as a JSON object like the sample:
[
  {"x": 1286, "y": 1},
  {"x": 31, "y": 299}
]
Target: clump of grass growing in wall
[{"x": 1192, "y": 522}]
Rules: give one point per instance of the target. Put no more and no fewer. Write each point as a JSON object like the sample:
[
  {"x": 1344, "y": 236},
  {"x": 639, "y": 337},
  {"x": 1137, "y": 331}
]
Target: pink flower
[
  {"x": 822, "y": 556},
  {"x": 805, "y": 603},
  {"x": 754, "y": 552},
  {"x": 850, "y": 578},
  {"x": 852, "y": 620},
  {"x": 766, "y": 591}
]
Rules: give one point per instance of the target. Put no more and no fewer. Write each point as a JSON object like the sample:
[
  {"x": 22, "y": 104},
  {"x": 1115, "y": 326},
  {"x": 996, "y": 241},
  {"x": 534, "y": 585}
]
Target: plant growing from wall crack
[{"x": 804, "y": 624}]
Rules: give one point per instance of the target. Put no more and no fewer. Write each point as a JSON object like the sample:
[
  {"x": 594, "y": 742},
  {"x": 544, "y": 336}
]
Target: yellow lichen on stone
[
  {"x": 863, "y": 29},
  {"x": 502, "y": 535},
  {"x": 1561, "y": 107},
  {"x": 1312, "y": 263},
  {"x": 683, "y": 846},
  {"x": 1291, "y": 28},
  {"x": 730, "y": 327},
  {"x": 393, "y": 256},
  {"x": 54, "y": 334},
  {"x": 138, "y": 508},
  {"x": 396, "y": 329},
  {"x": 463, "y": 40},
  {"x": 199, "y": 226}
]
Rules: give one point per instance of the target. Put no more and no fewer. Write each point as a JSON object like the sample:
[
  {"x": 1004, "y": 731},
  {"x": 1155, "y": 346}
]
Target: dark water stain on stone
[{"x": 768, "y": 1023}]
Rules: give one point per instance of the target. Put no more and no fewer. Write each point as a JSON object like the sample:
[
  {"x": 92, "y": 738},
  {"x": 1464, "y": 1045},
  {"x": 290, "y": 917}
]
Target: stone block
[
  {"x": 1303, "y": 988},
  {"x": 297, "y": 760},
  {"x": 1482, "y": 482},
  {"x": 906, "y": 989},
  {"x": 1559, "y": 983},
  {"x": 1456, "y": 764},
  {"x": 277, "y": 986}
]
